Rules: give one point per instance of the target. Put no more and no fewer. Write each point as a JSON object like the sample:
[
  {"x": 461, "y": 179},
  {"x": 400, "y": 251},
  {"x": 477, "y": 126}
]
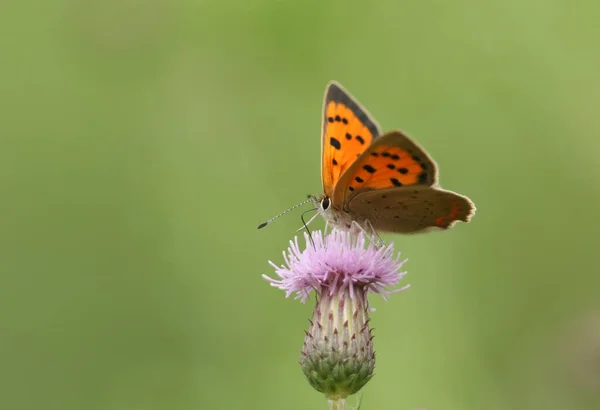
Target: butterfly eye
[{"x": 325, "y": 203}]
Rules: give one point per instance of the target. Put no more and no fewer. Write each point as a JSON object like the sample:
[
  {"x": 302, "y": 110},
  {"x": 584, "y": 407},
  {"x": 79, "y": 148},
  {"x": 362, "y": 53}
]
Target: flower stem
[{"x": 338, "y": 404}]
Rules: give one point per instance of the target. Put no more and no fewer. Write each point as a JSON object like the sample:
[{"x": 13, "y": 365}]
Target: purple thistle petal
[{"x": 338, "y": 261}]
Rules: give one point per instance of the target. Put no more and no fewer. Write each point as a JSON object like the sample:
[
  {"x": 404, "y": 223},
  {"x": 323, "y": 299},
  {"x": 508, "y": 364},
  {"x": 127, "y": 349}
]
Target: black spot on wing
[
  {"x": 369, "y": 169},
  {"x": 336, "y": 94},
  {"x": 335, "y": 143},
  {"x": 395, "y": 182}
]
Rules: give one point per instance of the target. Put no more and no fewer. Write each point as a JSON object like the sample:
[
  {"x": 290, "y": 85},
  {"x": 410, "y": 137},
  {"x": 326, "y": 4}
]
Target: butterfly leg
[
  {"x": 379, "y": 243},
  {"x": 369, "y": 232}
]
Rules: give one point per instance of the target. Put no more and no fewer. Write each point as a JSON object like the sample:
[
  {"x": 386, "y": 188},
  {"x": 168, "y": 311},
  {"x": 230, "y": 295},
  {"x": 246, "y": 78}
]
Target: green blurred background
[{"x": 143, "y": 141}]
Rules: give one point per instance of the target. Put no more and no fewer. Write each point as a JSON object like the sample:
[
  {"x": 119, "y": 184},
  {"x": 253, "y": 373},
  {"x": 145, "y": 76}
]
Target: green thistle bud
[{"x": 337, "y": 357}]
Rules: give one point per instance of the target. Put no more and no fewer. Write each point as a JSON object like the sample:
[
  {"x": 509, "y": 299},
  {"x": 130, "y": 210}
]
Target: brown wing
[
  {"x": 410, "y": 210},
  {"x": 392, "y": 160},
  {"x": 348, "y": 130}
]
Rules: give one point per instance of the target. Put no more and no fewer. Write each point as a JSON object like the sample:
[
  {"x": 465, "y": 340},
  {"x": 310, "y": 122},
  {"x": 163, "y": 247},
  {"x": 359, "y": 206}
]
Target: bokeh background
[{"x": 142, "y": 141}]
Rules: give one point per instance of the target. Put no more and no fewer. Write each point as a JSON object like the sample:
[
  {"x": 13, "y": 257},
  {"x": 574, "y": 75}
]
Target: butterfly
[{"x": 379, "y": 182}]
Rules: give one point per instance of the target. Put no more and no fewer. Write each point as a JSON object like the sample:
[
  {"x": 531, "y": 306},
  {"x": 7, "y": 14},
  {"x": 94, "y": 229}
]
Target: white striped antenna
[{"x": 262, "y": 225}]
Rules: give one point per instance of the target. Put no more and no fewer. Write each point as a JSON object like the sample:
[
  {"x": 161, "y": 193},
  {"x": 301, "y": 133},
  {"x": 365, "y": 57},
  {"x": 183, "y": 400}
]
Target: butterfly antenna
[{"x": 262, "y": 225}]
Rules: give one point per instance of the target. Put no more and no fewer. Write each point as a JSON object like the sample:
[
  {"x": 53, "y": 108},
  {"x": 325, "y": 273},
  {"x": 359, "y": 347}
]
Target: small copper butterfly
[
  {"x": 379, "y": 183},
  {"x": 384, "y": 182}
]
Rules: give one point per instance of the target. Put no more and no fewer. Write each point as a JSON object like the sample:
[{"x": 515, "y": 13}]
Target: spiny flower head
[
  {"x": 337, "y": 262},
  {"x": 337, "y": 356}
]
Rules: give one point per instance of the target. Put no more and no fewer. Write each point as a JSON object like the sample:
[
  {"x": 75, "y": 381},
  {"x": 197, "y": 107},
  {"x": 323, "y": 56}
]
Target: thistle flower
[{"x": 338, "y": 357}]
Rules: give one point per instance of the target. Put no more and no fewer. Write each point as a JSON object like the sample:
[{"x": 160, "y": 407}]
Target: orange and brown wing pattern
[
  {"x": 411, "y": 210},
  {"x": 347, "y": 132},
  {"x": 393, "y": 160}
]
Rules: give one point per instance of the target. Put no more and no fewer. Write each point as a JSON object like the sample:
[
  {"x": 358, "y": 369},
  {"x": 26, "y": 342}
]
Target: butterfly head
[
  {"x": 324, "y": 206},
  {"x": 321, "y": 202},
  {"x": 333, "y": 217}
]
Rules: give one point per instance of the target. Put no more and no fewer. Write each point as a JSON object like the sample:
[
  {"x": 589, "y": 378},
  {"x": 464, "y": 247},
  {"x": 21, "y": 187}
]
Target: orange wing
[
  {"x": 347, "y": 131},
  {"x": 393, "y": 160}
]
